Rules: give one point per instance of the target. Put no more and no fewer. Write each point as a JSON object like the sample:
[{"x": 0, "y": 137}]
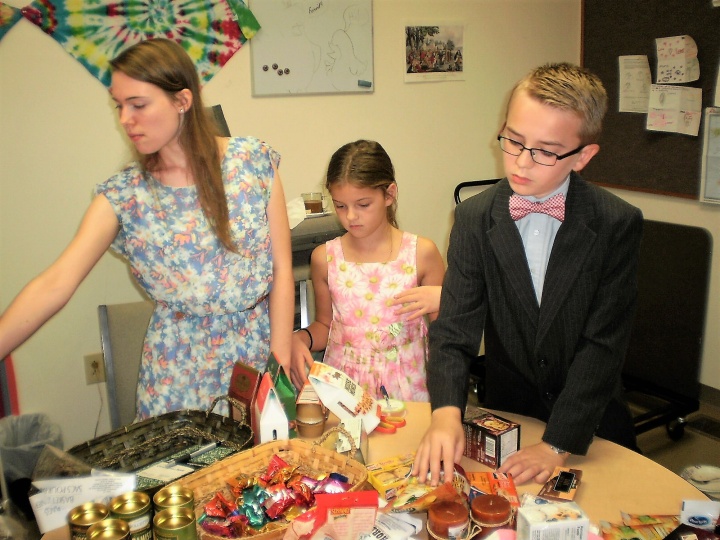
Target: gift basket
[
  {"x": 142, "y": 444},
  {"x": 309, "y": 460}
]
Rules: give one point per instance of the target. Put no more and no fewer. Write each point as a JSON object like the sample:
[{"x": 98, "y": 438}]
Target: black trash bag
[{"x": 22, "y": 439}]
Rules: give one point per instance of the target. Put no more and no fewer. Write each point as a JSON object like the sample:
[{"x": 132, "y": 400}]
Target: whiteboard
[{"x": 312, "y": 47}]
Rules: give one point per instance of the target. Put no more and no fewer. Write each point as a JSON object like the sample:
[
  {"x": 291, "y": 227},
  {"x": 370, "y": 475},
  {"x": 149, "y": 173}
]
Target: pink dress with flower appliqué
[{"x": 367, "y": 340}]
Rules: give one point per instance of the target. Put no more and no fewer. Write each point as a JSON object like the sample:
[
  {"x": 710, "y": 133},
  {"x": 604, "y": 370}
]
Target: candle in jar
[
  {"x": 490, "y": 512},
  {"x": 448, "y": 520}
]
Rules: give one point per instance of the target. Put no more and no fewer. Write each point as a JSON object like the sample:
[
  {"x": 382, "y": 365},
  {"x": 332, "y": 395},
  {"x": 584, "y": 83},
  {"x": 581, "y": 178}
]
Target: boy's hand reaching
[
  {"x": 441, "y": 446},
  {"x": 418, "y": 301},
  {"x": 536, "y": 462}
]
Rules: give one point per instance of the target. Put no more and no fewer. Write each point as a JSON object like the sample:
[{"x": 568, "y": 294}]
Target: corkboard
[{"x": 630, "y": 156}]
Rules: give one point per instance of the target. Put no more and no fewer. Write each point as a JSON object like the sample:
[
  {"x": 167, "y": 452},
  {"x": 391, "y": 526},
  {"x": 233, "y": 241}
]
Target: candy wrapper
[{"x": 256, "y": 503}]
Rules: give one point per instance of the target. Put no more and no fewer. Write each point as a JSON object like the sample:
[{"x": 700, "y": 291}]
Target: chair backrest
[
  {"x": 122, "y": 333},
  {"x": 472, "y": 187},
  {"x": 219, "y": 117}
]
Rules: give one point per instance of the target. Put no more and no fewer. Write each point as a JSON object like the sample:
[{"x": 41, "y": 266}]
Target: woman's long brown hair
[{"x": 165, "y": 64}]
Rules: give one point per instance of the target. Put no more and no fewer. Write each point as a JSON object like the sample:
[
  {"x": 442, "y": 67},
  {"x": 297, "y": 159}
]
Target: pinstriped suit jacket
[{"x": 562, "y": 361}]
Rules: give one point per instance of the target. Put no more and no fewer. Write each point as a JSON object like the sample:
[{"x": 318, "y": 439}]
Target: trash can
[{"x": 22, "y": 439}]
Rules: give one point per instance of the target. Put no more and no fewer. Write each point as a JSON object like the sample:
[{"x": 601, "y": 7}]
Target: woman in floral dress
[{"x": 203, "y": 224}]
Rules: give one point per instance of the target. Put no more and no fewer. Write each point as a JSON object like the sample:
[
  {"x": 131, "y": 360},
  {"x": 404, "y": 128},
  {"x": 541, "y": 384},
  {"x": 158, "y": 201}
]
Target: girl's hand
[
  {"x": 300, "y": 360},
  {"x": 418, "y": 301}
]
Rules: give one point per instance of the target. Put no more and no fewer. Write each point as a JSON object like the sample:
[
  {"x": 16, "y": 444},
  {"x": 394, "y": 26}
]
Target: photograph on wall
[{"x": 434, "y": 53}]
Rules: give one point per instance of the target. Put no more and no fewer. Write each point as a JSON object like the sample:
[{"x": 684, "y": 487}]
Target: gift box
[
  {"x": 489, "y": 439},
  {"x": 552, "y": 521},
  {"x": 389, "y": 476}
]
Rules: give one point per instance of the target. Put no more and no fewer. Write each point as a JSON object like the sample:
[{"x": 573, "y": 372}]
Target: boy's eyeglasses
[{"x": 539, "y": 156}]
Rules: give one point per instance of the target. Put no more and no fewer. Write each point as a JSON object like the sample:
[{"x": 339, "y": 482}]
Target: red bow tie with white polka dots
[{"x": 553, "y": 207}]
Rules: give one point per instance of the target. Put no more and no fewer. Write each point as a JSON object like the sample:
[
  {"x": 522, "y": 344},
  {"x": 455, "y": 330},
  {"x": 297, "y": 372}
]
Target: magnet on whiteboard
[{"x": 366, "y": 84}]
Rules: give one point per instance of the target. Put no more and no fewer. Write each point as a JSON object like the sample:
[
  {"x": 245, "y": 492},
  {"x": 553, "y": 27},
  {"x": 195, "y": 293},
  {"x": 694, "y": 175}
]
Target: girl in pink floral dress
[{"x": 373, "y": 286}]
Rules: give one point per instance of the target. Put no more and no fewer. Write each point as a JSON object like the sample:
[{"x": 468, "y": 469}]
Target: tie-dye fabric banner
[
  {"x": 8, "y": 17},
  {"x": 95, "y": 31}
]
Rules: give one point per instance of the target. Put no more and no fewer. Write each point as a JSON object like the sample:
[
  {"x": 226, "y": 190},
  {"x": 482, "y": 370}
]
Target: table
[{"x": 614, "y": 478}]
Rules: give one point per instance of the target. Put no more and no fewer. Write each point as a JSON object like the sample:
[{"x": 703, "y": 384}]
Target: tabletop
[{"x": 614, "y": 479}]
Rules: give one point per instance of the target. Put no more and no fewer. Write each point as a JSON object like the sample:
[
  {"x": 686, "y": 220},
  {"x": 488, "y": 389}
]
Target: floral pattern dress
[
  {"x": 211, "y": 304},
  {"x": 367, "y": 341}
]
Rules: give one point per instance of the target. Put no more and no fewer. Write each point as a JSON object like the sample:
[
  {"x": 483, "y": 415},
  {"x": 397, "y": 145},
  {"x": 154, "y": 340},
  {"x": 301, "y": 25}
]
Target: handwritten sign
[{"x": 57, "y": 496}]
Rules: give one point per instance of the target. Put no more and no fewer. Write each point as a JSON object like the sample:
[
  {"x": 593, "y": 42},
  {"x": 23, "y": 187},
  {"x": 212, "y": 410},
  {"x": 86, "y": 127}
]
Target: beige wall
[{"x": 59, "y": 137}]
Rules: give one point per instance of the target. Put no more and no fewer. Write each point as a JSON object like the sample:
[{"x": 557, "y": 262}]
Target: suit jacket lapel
[
  {"x": 573, "y": 243},
  {"x": 507, "y": 245}
]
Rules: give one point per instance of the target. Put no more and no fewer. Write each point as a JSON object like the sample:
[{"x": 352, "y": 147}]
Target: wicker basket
[
  {"x": 134, "y": 446},
  {"x": 310, "y": 458}
]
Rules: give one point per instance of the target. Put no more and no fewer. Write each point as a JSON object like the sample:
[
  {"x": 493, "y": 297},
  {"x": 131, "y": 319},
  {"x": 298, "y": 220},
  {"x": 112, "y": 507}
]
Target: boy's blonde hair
[{"x": 570, "y": 88}]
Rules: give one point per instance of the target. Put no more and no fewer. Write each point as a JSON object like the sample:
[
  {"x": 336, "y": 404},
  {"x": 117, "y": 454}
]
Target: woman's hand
[
  {"x": 301, "y": 360},
  {"x": 418, "y": 301}
]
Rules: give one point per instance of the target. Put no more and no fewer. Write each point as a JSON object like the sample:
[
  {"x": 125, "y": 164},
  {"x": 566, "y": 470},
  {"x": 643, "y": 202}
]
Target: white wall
[{"x": 59, "y": 137}]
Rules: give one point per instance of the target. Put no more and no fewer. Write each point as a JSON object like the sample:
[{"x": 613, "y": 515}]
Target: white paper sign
[
  {"x": 677, "y": 60},
  {"x": 635, "y": 82},
  {"x": 675, "y": 108},
  {"x": 343, "y": 396},
  {"x": 60, "y": 495}
]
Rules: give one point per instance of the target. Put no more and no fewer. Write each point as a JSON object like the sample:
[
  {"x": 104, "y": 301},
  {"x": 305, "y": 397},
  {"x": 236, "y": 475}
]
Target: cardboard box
[
  {"x": 283, "y": 386},
  {"x": 244, "y": 384},
  {"x": 552, "y": 521},
  {"x": 489, "y": 439},
  {"x": 390, "y": 475},
  {"x": 493, "y": 483}
]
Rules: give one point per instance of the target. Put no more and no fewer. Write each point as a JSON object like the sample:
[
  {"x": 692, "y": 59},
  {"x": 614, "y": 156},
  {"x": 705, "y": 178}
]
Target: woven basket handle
[
  {"x": 339, "y": 429},
  {"x": 233, "y": 402}
]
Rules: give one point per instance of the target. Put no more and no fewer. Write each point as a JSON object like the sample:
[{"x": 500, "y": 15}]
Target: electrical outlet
[{"x": 94, "y": 368}]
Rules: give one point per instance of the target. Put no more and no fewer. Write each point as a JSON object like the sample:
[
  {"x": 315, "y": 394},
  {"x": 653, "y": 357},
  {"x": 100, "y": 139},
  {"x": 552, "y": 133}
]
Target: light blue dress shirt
[{"x": 538, "y": 235}]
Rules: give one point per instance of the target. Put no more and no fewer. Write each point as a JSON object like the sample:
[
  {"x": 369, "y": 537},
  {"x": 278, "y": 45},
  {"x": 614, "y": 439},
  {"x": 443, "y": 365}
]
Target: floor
[{"x": 695, "y": 447}]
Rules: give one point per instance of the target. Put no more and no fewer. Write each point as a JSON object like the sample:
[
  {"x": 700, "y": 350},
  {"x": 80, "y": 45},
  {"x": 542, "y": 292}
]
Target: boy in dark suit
[{"x": 552, "y": 286}]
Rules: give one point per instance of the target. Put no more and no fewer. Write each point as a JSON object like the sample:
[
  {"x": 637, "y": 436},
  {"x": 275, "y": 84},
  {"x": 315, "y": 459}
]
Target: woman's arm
[
  {"x": 320, "y": 327},
  {"x": 282, "y": 293},
  {"x": 45, "y": 295}
]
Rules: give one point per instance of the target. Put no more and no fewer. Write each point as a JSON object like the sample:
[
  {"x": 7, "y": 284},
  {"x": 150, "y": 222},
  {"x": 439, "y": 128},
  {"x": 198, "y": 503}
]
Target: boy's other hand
[{"x": 536, "y": 462}]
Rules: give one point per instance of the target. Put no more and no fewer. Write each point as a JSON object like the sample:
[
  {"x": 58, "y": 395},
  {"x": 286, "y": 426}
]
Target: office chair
[
  {"x": 122, "y": 332},
  {"x": 477, "y": 368}
]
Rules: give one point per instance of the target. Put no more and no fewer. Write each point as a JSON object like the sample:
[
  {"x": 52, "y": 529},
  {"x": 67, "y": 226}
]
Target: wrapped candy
[
  {"x": 280, "y": 498},
  {"x": 333, "y": 484},
  {"x": 240, "y": 482},
  {"x": 219, "y": 506},
  {"x": 302, "y": 490},
  {"x": 252, "y": 506},
  {"x": 276, "y": 464}
]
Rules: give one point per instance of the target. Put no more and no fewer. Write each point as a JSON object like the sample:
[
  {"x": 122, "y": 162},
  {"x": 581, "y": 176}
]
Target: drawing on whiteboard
[{"x": 312, "y": 46}]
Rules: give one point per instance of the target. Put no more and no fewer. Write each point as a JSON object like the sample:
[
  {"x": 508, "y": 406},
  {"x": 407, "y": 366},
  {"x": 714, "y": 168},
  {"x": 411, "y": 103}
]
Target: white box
[{"x": 552, "y": 521}]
